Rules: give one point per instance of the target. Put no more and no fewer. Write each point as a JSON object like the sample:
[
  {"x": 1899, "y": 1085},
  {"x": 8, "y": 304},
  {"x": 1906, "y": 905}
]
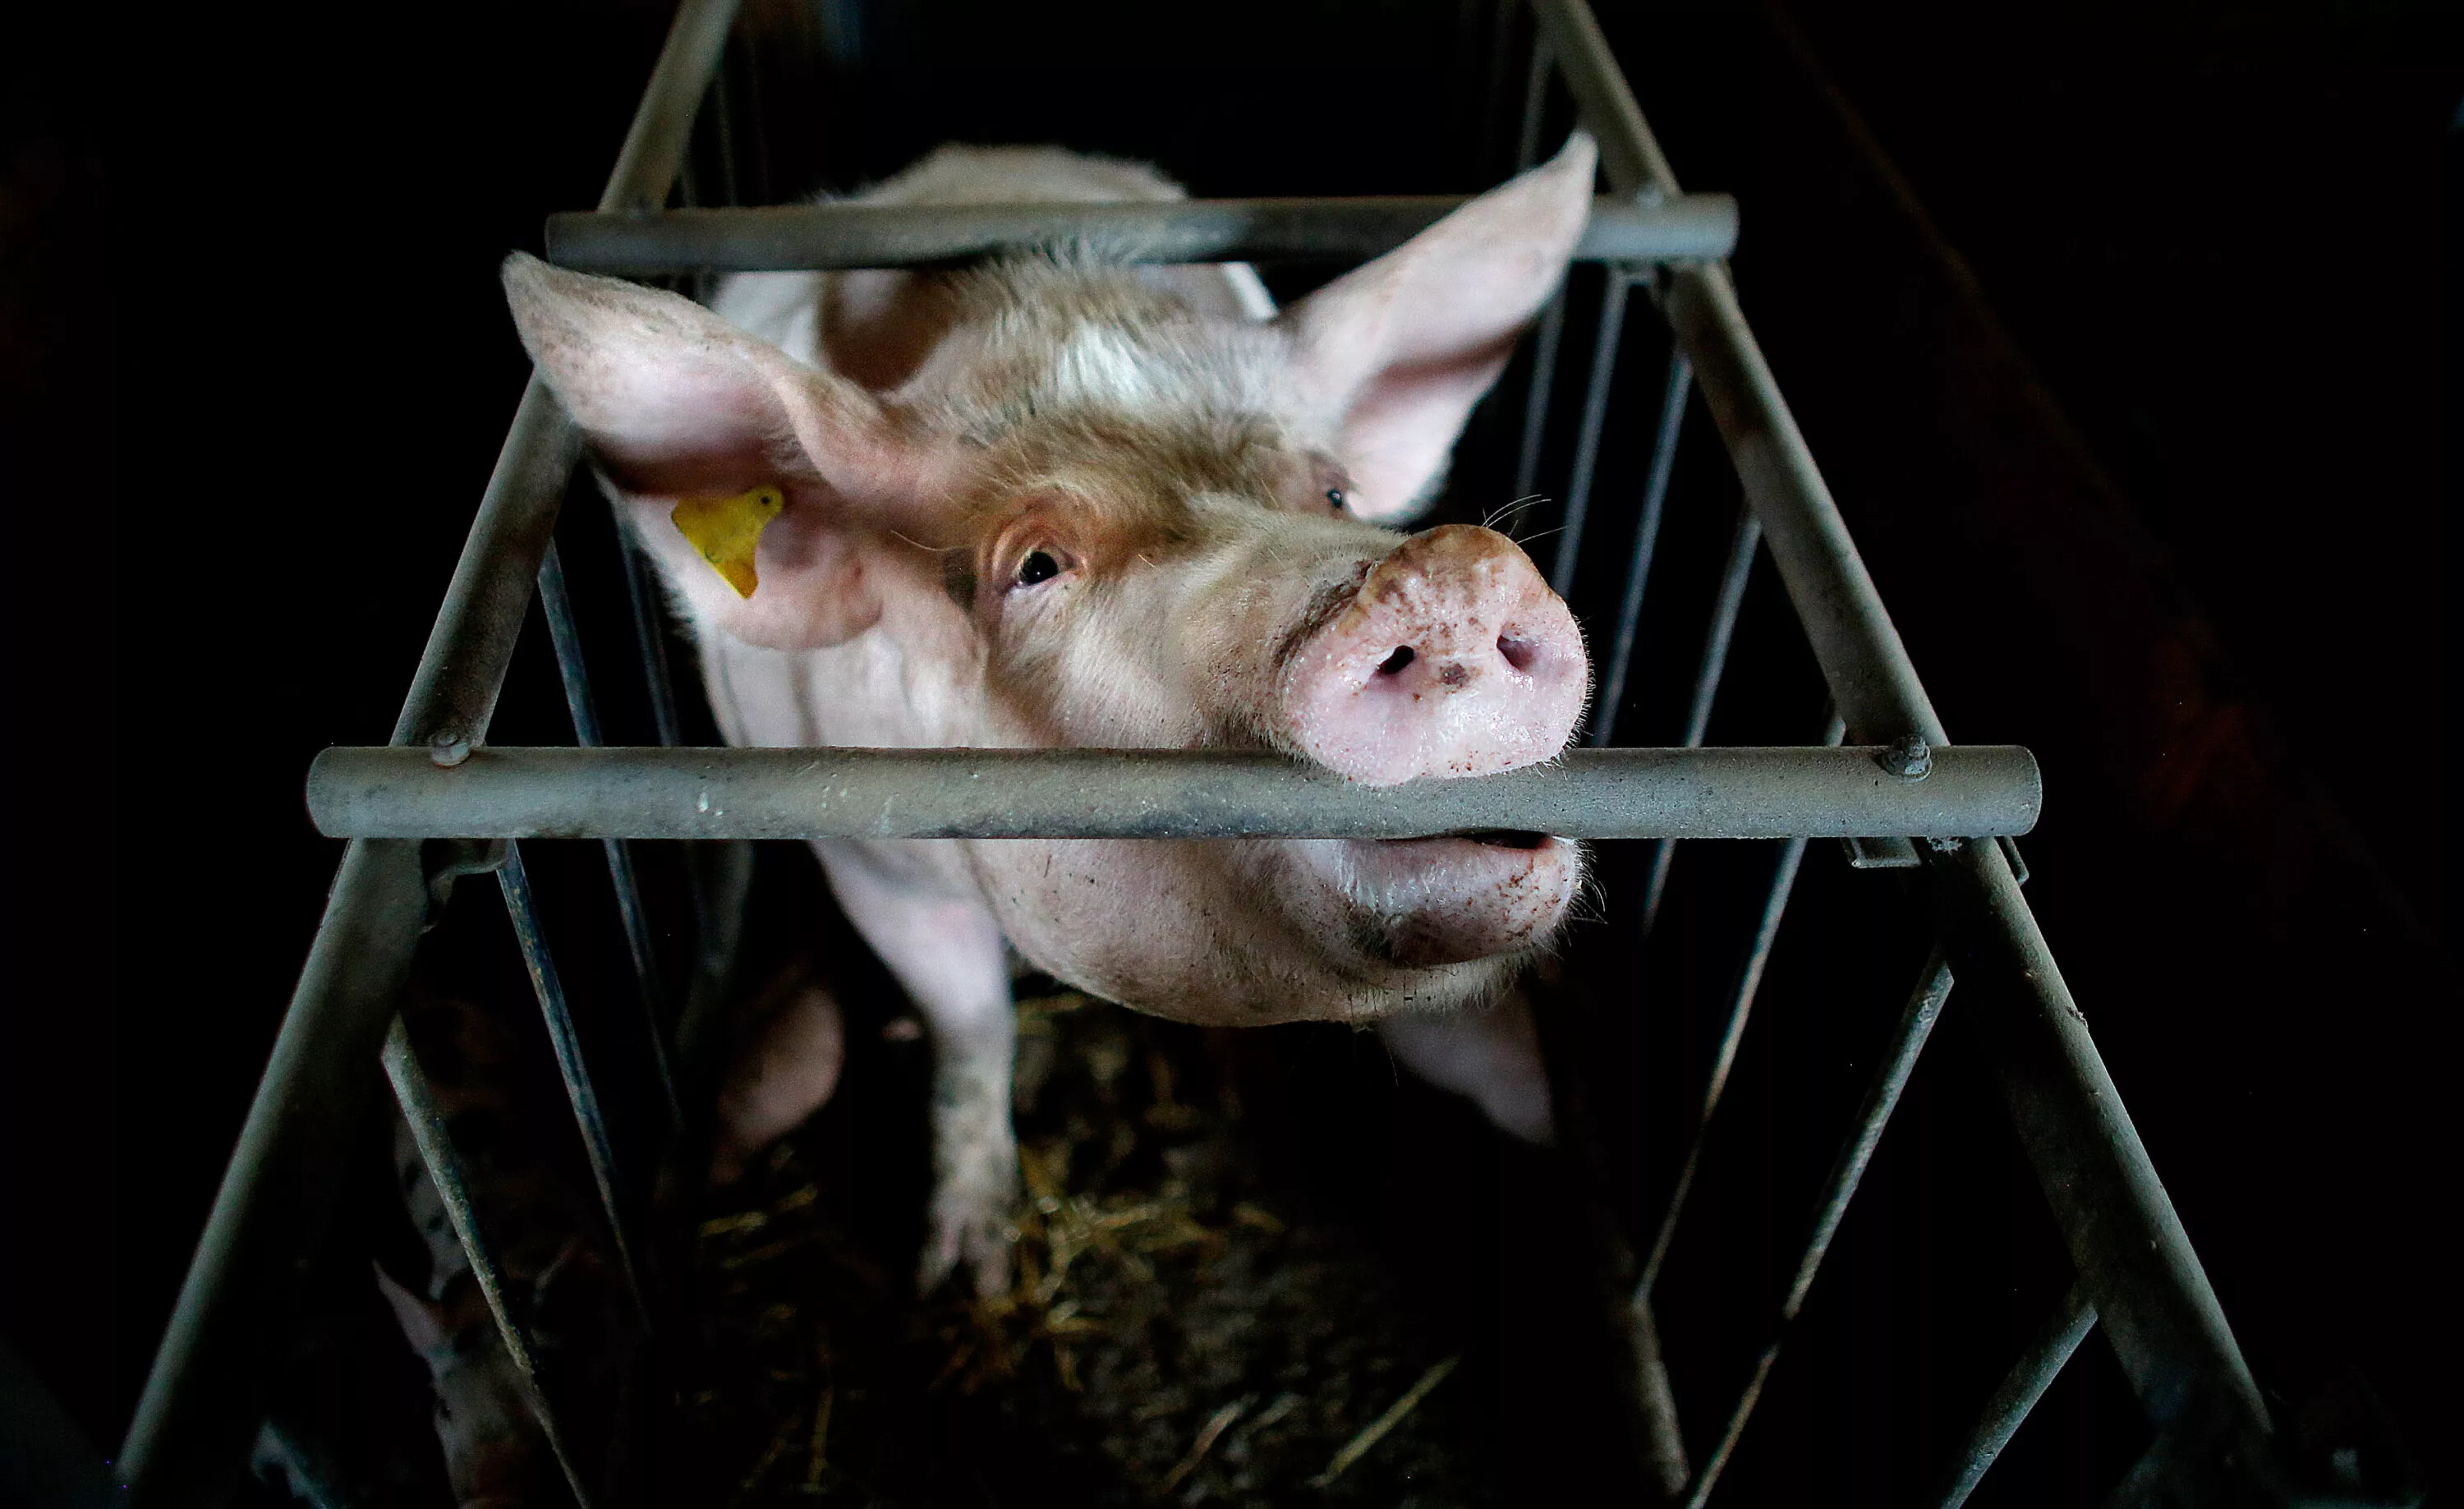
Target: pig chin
[{"x": 1425, "y": 903}]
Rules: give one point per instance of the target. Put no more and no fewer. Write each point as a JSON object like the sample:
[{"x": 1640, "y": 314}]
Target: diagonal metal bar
[
  {"x": 1606, "y": 340},
  {"x": 1646, "y": 541},
  {"x": 1721, "y": 632},
  {"x": 203, "y": 1399},
  {"x": 2017, "y": 1394},
  {"x": 556, "y": 605},
  {"x": 1882, "y": 1096},
  {"x": 2126, "y": 1240},
  {"x": 1741, "y": 1006},
  {"x": 522, "y": 907},
  {"x": 444, "y": 1170},
  {"x": 205, "y": 1395}
]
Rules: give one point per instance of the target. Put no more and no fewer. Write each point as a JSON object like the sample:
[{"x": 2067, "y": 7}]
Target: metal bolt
[
  {"x": 448, "y": 747},
  {"x": 1911, "y": 759}
]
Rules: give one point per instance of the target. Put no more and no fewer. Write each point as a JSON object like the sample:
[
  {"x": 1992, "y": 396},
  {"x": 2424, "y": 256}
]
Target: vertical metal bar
[
  {"x": 203, "y": 1398},
  {"x": 428, "y": 1129},
  {"x": 649, "y": 622},
  {"x": 1535, "y": 106},
  {"x": 1646, "y": 540},
  {"x": 649, "y": 634},
  {"x": 522, "y": 908},
  {"x": 1605, "y": 344},
  {"x": 1898, "y": 1061},
  {"x": 722, "y": 114},
  {"x": 2026, "y": 1383},
  {"x": 1552, "y": 319},
  {"x": 1716, "y": 639},
  {"x": 1545, "y": 344},
  {"x": 1741, "y": 1006},
  {"x": 556, "y": 605}
]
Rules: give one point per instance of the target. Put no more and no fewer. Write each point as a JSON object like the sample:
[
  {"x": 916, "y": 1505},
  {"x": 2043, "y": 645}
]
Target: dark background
[{"x": 2128, "y": 336}]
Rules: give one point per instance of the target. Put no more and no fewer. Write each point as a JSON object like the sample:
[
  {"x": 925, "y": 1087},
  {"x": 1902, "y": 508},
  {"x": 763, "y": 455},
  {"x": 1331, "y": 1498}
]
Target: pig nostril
[
  {"x": 1394, "y": 664},
  {"x": 1520, "y": 653}
]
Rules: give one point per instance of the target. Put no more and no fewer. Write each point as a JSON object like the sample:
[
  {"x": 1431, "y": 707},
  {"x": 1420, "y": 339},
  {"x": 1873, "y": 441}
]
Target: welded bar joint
[
  {"x": 786, "y": 237},
  {"x": 1152, "y": 793}
]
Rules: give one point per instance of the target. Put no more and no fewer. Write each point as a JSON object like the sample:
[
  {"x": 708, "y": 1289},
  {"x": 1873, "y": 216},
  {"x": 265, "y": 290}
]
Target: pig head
[{"x": 1057, "y": 500}]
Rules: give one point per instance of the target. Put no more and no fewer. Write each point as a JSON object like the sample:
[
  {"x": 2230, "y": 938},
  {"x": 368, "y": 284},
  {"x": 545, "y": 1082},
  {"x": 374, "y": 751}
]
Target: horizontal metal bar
[
  {"x": 1981, "y": 789},
  {"x": 779, "y": 238},
  {"x": 2020, "y": 1388}
]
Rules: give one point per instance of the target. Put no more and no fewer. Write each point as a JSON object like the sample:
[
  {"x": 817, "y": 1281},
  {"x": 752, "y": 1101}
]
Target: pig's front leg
[
  {"x": 947, "y": 951},
  {"x": 1488, "y": 1054}
]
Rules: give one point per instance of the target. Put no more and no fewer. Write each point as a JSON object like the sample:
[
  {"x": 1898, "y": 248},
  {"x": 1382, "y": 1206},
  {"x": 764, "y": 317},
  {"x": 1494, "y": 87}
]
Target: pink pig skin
[{"x": 1059, "y": 501}]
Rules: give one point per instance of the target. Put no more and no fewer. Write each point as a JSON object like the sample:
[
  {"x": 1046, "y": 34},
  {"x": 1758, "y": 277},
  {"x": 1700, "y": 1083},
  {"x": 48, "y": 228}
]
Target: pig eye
[
  {"x": 1334, "y": 496},
  {"x": 1039, "y": 566}
]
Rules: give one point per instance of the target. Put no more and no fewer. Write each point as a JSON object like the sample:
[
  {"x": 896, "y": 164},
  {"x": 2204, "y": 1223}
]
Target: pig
[
  {"x": 558, "y": 1282},
  {"x": 1059, "y": 500}
]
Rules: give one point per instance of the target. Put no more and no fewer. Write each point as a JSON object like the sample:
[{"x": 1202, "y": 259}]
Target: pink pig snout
[{"x": 1454, "y": 658}]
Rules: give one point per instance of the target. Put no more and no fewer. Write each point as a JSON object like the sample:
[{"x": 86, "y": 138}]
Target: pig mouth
[
  {"x": 1502, "y": 838},
  {"x": 1455, "y": 898}
]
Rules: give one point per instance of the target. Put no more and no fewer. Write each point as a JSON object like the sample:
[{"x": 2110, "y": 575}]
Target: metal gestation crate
[{"x": 439, "y": 802}]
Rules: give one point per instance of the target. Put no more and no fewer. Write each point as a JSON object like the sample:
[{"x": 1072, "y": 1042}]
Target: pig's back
[{"x": 876, "y": 326}]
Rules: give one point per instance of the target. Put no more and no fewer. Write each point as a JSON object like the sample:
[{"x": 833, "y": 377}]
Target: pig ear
[
  {"x": 422, "y": 1321},
  {"x": 679, "y": 404},
  {"x": 1403, "y": 347}
]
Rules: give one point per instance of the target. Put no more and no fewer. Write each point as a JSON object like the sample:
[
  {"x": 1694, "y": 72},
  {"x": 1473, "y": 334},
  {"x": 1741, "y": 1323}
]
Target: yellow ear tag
[{"x": 726, "y": 529}]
